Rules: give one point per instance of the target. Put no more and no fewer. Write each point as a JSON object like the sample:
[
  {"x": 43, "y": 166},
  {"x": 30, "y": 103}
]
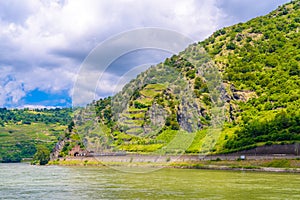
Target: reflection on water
[{"x": 23, "y": 181}]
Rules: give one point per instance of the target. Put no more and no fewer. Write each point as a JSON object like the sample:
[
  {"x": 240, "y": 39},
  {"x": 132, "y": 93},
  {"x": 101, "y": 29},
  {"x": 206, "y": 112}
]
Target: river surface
[{"x": 23, "y": 181}]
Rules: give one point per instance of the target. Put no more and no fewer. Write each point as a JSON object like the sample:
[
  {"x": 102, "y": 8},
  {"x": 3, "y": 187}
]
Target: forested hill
[
  {"x": 22, "y": 130},
  {"x": 259, "y": 65},
  {"x": 28, "y": 116},
  {"x": 262, "y": 56},
  {"x": 171, "y": 107}
]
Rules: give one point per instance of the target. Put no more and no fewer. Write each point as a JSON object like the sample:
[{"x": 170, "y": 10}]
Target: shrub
[
  {"x": 231, "y": 46},
  {"x": 42, "y": 155}
]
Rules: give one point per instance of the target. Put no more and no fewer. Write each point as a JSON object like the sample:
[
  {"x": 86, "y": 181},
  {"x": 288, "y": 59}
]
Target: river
[{"x": 24, "y": 181}]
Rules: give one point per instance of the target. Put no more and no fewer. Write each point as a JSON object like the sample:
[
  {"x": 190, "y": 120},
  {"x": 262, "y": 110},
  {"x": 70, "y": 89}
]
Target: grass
[
  {"x": 35, "y": 112},
  {"x": 226, "y": 134},
  {"x": 134, "y": 122},
  {"x": 197, "y": 142},
  {"x": 140, "y": 147},
  {"x": 17, "y": 138},
  {"x": 155, "y": 86},
  {"x": 179, "y": 143},
  {"x": 35, "y": 131},
  {"x": 166, "y": 136},
  {"x": 140, "y": 115},
  {"x": 135, "y": 131},
  {"x": 149, "y": 93},
  {"x": 146, "y": 101},
  {"x": 169, "y": 141},
  {"x": 245, "y": 164},
  {"x": 132, "y": 109},
  {"x": 75, "y": 162},
  {"x": 201, "y": 164},
  {"x": 282, "y": 163}
]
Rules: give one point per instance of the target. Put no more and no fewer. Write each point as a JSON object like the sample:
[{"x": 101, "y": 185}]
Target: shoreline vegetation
[{"x": 260, "y": 164}]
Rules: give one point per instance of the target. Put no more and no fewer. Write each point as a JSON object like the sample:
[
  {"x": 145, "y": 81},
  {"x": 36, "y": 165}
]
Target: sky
[{"x": 44, "y": 43}]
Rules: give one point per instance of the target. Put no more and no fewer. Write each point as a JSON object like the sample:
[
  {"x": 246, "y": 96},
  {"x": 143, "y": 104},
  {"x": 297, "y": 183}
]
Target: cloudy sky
[{"x": 43, "y": 43}]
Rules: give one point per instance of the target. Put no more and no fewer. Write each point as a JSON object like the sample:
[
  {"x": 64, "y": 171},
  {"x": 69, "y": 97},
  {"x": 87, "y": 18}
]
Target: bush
[
  {"x": 231, "y": 46},
  {"x": 139, "y": 105},
  {"x": 12, "y": 158},
  {"x": 284, "y": 163},
  {"x": 42, "y": 156},
  {"x": 269, "y": 143}
]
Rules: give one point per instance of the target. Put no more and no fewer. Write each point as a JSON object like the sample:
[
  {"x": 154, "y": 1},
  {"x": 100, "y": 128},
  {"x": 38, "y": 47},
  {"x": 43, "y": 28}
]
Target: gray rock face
[
  {"x": 157, "y": 115},
  {"x": 157, "y": 119},
  {"x": 188, "y": 115},
  {"x": 189, "y": 110},
  {"x": 57, "y": 149}
]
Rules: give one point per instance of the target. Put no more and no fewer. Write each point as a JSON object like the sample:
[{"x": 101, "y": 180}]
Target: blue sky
[{"x": 43, "y": 43}]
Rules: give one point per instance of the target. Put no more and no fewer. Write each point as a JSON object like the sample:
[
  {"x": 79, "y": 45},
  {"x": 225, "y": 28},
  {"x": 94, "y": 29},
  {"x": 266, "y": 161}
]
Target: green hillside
[
  {"x": 262, "y": 57},
  {"x": 251, "y": 70},
  {"x": 238, "y": 89},
  {"x": 21, "y": 130}
]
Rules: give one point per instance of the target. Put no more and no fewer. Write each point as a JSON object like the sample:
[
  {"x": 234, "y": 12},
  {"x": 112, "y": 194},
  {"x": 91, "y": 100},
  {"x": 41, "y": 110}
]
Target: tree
[
  {"x": 11, "y": 158},
  {"x": 231, "y": 46},
  {"x": 42, "y": 155},
  {"x": 71, "y": 126}
]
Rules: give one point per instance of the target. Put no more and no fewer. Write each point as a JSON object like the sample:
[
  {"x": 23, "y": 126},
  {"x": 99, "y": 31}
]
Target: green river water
[{"x": 23, "y": 181}]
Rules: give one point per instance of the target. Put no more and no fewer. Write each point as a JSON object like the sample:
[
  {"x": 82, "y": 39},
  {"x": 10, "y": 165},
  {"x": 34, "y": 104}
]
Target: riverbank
[{"x": 261, "y": 163}]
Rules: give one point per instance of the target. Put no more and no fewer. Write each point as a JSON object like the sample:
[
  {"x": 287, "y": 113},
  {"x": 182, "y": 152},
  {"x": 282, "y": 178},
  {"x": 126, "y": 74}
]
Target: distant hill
[
  {"x": 251, "y": 70},
  {"x": 21, "y": 130}
]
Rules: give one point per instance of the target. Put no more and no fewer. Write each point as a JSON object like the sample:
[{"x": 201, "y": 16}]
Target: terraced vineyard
[
  {"x": 19, "y": 141},
  {"x": 237, "y": 89},
  {"x": 135, "y": 117},
  {"x": 21, "y": 130}
]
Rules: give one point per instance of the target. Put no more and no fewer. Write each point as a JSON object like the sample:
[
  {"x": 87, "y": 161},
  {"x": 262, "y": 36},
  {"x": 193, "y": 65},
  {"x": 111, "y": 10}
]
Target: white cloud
[
  {"x": 43, "y": 42},
  {"x": 10, "y": 89},
  {"x": 15, "y": 85}
]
